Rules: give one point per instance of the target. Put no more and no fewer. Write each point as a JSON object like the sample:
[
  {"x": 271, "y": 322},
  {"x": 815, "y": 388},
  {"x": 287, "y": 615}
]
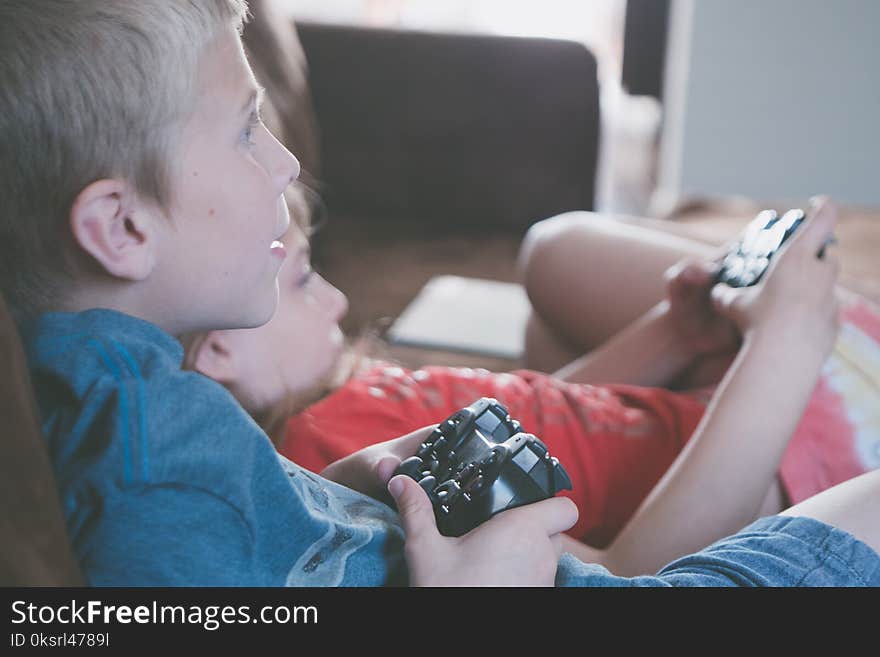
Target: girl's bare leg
[{"x": 588, "y": 276}]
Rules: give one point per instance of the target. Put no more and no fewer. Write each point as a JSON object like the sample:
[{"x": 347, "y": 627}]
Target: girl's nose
[{"x": 332, "y": 299}]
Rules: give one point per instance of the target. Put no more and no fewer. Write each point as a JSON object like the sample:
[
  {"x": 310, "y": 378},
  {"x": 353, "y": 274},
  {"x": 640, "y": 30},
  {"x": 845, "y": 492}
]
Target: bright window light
[{"x": 596, "y": 23}]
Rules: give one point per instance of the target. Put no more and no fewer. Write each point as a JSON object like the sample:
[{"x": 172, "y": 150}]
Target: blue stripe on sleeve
[
  {"x": 123, "y": 402},
  {"x": 141, "y": 406}
]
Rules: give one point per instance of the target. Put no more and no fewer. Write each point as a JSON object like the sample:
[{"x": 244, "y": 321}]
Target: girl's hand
[
  {"x": 368, "y": 470},
  {"x": 701, "y": 328},
  {"x": 518, "y": 547},
  {"x": 795, "y": 301}
]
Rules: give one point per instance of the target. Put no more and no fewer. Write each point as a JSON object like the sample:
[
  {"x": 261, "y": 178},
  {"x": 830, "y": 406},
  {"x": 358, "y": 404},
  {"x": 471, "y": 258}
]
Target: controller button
[
  {"x": 447, "y": 492},
  {"x": 428, "y": 484},
  {"x": 476, "y": 485},
  {"x": 467, "y": 471},
  {"x": 411, "y": 467},
  {"x": 497, "y": 453}
]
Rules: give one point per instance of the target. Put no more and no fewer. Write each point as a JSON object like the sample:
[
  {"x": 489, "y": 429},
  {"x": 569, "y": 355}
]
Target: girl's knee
[{"x": 545, "y": 240}]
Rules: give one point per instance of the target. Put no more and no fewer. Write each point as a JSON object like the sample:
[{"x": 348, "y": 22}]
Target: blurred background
[
  {"x": 626, "y": 171},
  {"x": 448, "y": 127},
  {"x": 764, "y": 99}
]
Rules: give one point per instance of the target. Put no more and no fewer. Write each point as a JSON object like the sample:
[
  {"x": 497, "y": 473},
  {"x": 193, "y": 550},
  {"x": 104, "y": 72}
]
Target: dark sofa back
[
  {"x": 452, "y": 129},
  {"x": 34, "y": 547}
]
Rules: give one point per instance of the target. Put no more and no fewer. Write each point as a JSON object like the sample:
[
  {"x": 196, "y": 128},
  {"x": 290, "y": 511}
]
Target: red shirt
[{"x": 615, "y": 441}]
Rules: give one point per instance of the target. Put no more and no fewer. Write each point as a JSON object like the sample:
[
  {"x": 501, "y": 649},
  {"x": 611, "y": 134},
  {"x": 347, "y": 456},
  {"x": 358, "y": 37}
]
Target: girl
[{"x": 617, "y": 418}]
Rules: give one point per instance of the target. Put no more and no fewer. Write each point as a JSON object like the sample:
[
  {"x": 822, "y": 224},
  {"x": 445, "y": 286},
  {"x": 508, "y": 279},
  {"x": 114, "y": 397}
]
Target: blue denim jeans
[{"x": 773, "y": 551}]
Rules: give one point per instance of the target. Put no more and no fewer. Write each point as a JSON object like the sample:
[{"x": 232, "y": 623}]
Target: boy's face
[{"x": 217, "y": 266}]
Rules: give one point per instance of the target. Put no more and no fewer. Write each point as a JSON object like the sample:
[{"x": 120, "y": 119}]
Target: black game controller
[
  {"x": 748, "y": 259},
  {"x": 478, "y": 463}
]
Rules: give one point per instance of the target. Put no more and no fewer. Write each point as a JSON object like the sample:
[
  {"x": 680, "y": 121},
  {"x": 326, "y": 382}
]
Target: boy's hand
[
  {"x": 518, "y": 547},
  {"x": 701, "y": 328},
  {"x": 795, "y": 301},
  {"x": 368, "y": 470}
]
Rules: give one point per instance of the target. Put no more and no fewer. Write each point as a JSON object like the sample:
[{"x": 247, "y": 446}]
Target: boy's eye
[{"x": 253, "y": 123}]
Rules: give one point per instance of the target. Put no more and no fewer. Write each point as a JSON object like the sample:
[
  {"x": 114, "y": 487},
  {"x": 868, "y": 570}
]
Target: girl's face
[{"x": 296, "y": 349}]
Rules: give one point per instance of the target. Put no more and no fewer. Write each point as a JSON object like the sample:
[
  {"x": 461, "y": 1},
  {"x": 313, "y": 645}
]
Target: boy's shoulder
[
  {"x": 92, "y": 345},
  {"x": 117, "y": 407}
]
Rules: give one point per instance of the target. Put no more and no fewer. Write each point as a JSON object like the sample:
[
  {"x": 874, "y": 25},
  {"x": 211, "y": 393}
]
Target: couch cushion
[
  {"x": 34, "y": 548},
  {"x": 453, "y": 129}
]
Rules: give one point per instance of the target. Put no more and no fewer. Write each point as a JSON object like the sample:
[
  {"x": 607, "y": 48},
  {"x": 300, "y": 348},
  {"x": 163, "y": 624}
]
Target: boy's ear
[
  {"x": 214, "y": 358},
  {"x": 114, "y": 229}
]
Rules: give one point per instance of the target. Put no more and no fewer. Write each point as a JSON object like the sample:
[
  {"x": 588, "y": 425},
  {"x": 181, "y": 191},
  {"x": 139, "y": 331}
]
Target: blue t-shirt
[{"x": 166, "y": 481}]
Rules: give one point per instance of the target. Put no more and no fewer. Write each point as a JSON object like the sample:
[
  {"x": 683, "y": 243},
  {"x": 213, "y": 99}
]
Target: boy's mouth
[{"x": 277, "y": 249}]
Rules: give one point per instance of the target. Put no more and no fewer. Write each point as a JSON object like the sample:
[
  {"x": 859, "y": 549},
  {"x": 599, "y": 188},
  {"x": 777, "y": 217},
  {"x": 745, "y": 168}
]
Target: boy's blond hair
[{"x": 89, "y": 89}]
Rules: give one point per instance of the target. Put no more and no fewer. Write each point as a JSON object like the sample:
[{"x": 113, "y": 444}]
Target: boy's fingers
[
  {"x": 385, "y": 468},
  {"x": 555, "y": 515},
  {"x": 400, "y": 449},
  {"x": 414, "y": 507},
  {"x": 407, "y": 445}
]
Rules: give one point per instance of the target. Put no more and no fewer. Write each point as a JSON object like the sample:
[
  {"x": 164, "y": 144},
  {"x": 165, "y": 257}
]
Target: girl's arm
[
  {"x": 649, "y": 352},
  {"x": 717, "y": 484},
  {"x": 667, "y": 340}
]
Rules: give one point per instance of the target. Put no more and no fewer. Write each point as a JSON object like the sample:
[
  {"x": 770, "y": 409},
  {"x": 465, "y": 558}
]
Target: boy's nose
[
  {"x": 284, "y": 165},
  {"x": 289, "y": 171}
]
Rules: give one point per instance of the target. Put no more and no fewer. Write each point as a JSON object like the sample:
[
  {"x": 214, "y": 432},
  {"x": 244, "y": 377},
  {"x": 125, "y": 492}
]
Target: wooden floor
[{"x": 382, "y": 268}]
